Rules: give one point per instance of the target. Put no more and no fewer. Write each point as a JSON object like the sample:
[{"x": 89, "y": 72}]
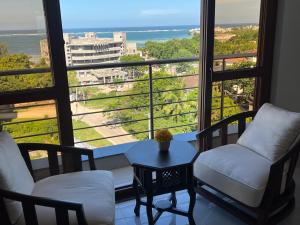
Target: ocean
[{"x": 28, "y": 41}]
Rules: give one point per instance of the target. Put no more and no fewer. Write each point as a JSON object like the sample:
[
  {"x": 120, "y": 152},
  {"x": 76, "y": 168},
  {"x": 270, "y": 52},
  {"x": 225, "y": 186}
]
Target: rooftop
[
  {"x": 91, "y": 38},
  {"x": 108, "y": 72}
]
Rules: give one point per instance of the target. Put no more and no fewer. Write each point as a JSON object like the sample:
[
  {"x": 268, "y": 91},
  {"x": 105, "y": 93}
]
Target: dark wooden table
[{"x": 157, "y": 173}]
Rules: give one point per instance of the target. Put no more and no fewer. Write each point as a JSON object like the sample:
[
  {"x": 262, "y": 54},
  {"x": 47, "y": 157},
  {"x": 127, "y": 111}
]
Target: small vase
[{"x": 164, "y": 146}]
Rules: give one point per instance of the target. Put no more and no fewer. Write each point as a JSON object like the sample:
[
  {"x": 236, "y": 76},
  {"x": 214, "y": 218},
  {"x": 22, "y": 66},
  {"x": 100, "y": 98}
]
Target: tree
[
  {"x": 175, "y": 108},
  {"x": 183, "y": 67},
  {"x": 138, "y": 105},
  {"x": 173, "y": 48},
  {"x": 14, "y": 61},
  {"x": 246, "y": 84},
  {"x": 134, "y": 72},
  {"x": 244, "y": 41},
  {"x": 20, "y": 82},
  {"x": 131, "y": 58}
]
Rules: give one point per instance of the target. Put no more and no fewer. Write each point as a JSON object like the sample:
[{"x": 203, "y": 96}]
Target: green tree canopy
[
  {"x": 134, "y": 71},
  {"x": 173, "y": 48},
  {"x": 21, "y": 61},
  {"x": 131, "y": 58},
  {"x": 183, "y": 67},
  {"x": 244, "y": 41},
  {"x": 14, "y": 61}
]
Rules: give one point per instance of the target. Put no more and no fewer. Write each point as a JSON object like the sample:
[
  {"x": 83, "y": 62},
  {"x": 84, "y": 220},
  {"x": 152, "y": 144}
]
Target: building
[
  {"x": 45, "y": 51},
  {"x": 132, "y": 49},
  {"x": 102, "y": 76},
  {"x": 92, "y": 50},
  {"x": 89, "y": 50}
]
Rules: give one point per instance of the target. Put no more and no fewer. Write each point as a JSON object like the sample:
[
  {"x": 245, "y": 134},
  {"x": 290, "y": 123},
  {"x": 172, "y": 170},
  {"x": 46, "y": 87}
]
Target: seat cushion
[
  {"x": 94, "y": 189},
  {"x": 272, "y": 132},
  {"x": 14, "y": 174},
  {"x": 236, "y": 171}
]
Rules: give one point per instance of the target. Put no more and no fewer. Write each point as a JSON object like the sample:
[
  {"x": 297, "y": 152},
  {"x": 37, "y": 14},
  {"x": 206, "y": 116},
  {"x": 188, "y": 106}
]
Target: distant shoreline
[
  {"x": 28, "y": 41},
  {"x": 80, "y": 28}
]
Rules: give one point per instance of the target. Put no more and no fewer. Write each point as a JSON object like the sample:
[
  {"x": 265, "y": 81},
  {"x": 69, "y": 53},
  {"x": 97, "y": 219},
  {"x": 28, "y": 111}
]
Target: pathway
[{"x": 99, "y": 118}]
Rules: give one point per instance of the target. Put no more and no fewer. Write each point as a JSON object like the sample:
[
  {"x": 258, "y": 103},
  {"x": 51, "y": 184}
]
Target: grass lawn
[
  {"x": 87, "y": 134},
  {"x": 102, "y": 103}
]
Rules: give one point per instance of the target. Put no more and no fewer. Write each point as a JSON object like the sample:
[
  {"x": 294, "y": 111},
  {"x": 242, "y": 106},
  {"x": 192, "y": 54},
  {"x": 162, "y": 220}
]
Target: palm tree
[{"x": 173, "y": 108}]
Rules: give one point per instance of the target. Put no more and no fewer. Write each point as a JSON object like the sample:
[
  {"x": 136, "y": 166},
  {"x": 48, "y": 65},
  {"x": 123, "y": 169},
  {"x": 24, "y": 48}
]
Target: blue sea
[{"x": 28, "y": 41}]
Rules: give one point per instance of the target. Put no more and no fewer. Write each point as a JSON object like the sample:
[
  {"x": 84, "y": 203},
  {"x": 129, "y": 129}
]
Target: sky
[
  {"x": 129, "y": 13},
  {"x": 28, "y": 14}
]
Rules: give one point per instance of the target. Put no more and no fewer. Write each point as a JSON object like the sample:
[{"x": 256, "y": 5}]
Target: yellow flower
[{"x": 163, "y": 135}]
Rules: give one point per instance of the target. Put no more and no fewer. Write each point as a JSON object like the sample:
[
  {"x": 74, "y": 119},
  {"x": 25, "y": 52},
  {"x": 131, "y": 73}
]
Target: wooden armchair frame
[
  {"x": 29, "y": 202},
  {"x": 275, "y": 205}
]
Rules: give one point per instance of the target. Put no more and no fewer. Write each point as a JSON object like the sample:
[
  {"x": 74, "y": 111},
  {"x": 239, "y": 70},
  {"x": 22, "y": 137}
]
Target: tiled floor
[{"x": 205, "y": 213}]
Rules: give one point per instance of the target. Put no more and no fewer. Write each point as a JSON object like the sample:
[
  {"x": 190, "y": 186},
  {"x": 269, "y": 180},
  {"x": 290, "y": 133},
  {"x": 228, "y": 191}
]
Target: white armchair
[
  {"x": 79, "y": 198},
  {"x": 256, "y": 173}
]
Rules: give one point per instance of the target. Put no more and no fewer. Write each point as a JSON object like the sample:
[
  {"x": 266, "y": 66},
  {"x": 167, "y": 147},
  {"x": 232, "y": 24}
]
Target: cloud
[{"x": 160, "y": 12}]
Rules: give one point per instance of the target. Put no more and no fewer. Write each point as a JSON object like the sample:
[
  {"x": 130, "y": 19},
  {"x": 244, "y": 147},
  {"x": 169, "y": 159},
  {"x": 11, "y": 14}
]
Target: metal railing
[{"x": 150, "y": 93}]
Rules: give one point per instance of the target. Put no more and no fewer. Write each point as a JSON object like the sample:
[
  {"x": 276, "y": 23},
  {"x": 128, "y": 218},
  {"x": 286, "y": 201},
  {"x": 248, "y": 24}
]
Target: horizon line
[{"x": 219, "y": 24}]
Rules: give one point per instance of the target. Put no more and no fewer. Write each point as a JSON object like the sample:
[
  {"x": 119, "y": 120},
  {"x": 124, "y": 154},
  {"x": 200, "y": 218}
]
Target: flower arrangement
[{"x": 163, "y": 135}]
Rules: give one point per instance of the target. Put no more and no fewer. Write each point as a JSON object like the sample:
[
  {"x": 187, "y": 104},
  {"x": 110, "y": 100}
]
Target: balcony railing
[{"x": 221, "y": 65}]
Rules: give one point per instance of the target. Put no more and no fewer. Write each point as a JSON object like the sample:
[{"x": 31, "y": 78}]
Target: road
[{"x": 99, "y": 118}]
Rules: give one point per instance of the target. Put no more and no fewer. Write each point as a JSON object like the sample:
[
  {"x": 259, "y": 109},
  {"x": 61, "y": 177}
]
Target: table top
[{"x": 146, "y": 154}]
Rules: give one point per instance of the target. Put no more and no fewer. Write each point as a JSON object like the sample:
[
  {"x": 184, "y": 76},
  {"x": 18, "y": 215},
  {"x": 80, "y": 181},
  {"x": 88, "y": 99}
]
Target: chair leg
[
  {"x": 283, "y": 213},
  {"x": 262, "y": 219}
]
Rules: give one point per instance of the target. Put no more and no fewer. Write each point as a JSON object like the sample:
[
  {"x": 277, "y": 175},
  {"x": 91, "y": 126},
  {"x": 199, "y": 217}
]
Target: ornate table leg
[
  {"x": 137, "y": 195},
  {"x": 149, "y": 209},
  {"x": 149, "y": 193}
]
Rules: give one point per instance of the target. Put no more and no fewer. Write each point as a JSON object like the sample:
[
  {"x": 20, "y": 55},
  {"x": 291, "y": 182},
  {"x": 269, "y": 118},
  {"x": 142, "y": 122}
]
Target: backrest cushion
[
  {"x": 272, "y": 132},
  {"x": 14, "y": 174}
]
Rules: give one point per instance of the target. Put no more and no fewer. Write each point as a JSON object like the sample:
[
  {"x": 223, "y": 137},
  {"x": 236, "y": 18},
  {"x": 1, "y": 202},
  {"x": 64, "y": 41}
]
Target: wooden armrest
[
  {"x": 205, "y": 136},
  {"x": 290, "y": 154},
  {"x": 29, "y": 202},
  {"x": 278, "y": 168},
  {"x": 53, "y": 147},
  {"x": 52, "y": 151}
]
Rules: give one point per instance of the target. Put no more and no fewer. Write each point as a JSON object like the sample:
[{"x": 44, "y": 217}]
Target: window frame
[
  {"x": 60, "y": 91},
  {"x": 262, "y": 72}
]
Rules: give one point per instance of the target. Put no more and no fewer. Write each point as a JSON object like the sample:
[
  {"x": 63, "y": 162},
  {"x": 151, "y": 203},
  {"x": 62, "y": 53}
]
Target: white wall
[{"x": 286, "y": 69}]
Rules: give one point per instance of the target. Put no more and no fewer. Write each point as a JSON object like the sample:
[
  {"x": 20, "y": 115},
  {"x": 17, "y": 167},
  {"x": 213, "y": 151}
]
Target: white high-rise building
[
  {"x": 92, "y": 50},
  {"x": 89, "y": 50}
]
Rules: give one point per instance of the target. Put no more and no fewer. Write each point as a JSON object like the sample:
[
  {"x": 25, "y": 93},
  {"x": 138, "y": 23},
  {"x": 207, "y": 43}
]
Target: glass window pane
[
  {"x": 232, "y": 97},
  {"x": 236, "y": 31},
  {"x": 136, "y": 31},
  {"x": 34, "y": 122},
  {"x": 23, "y": 44}
]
